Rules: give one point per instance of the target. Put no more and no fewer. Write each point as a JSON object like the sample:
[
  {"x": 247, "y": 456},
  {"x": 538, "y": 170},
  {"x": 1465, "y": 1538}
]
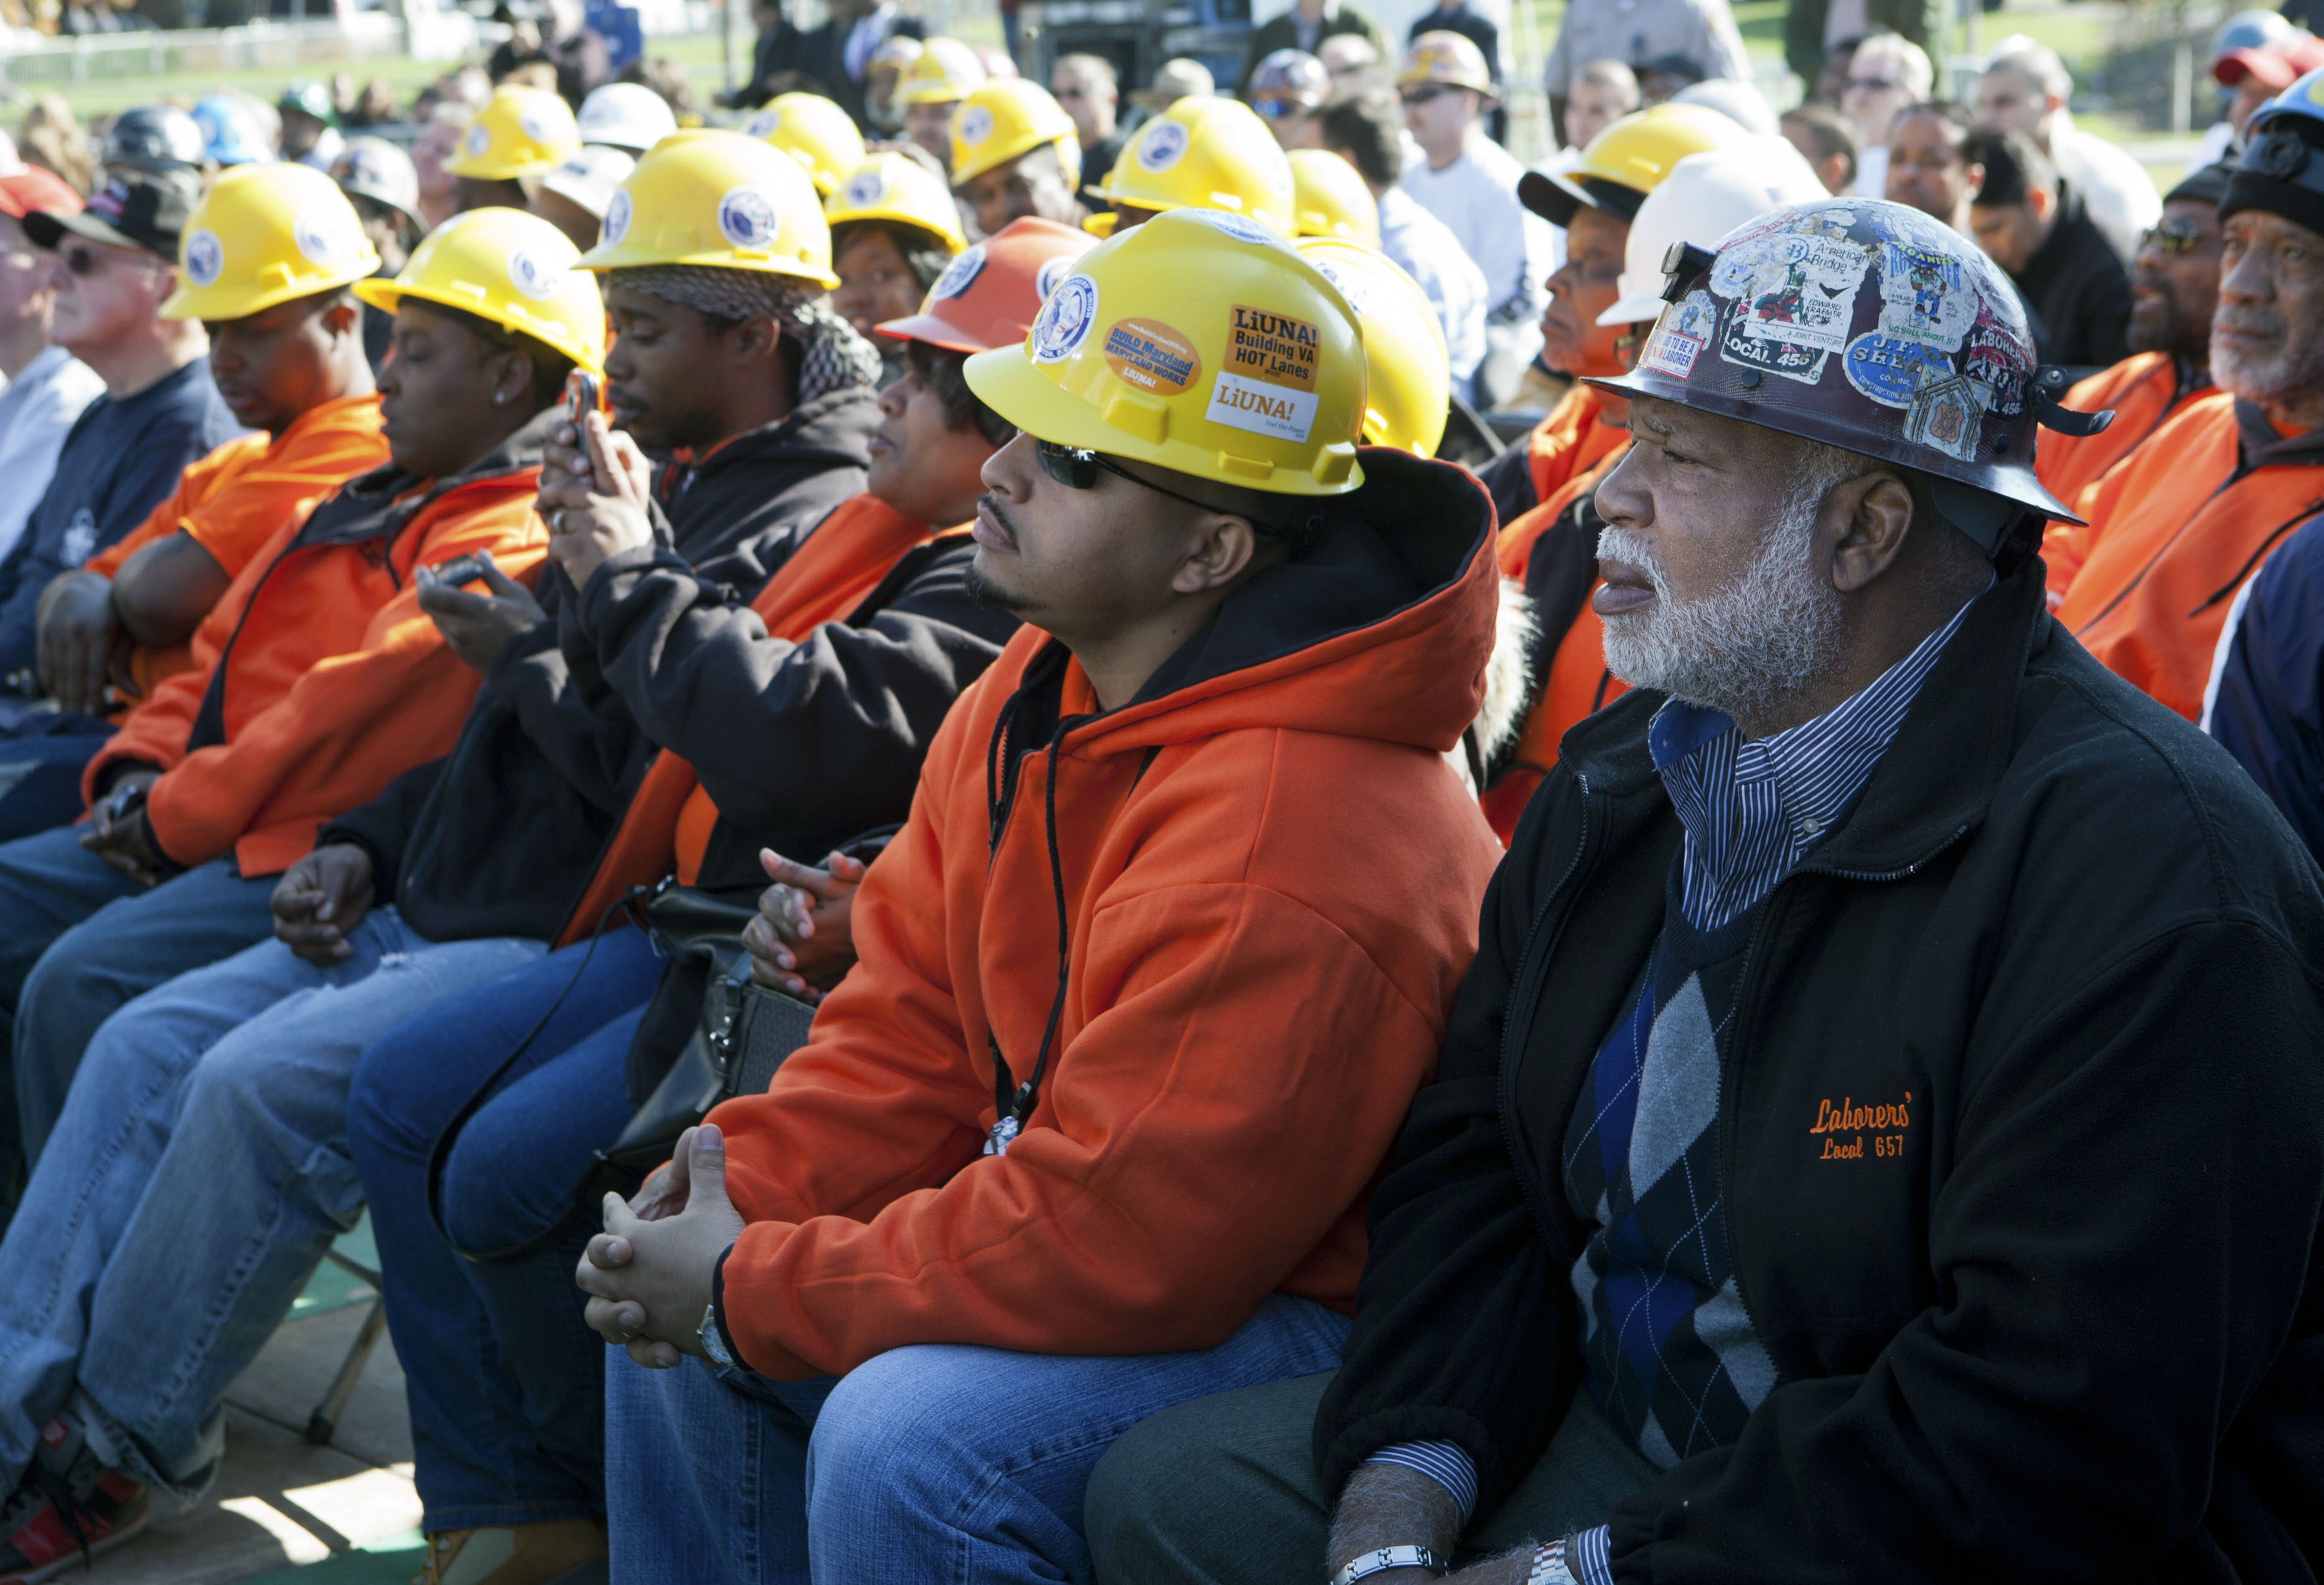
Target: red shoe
[{"x": 67, "y": 1510}]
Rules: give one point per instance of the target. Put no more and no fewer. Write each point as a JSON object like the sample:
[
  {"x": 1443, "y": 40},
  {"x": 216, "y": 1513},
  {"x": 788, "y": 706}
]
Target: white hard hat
[
  {"x": 591, "y": 178},
  {"x": 1705, "y": 197},
  {"x": 1739, "y": 101},
  {"x": 625, "y": 116}
]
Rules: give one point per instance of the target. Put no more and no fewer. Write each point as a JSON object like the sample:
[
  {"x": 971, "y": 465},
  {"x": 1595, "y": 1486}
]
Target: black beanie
[
  {"x": 2206, "y": 186},
  {"x": 2281, "y": 173}
]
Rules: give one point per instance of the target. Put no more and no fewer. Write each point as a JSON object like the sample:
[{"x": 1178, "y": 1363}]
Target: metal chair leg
[{"x": 325, "y": 1422}]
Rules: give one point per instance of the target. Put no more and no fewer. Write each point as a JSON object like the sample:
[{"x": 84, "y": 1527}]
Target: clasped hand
[
  {"x": 119, "y": 832},
  {"x": 477, "y": 627},
  {"x": 801, "y": 943},
  {"x": 648, "y": 1274},
  {"x": 595, "y": 487}
]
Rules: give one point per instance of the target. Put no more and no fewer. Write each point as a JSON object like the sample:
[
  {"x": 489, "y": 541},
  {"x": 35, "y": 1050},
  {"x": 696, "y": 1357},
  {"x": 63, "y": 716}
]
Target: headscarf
[{"x": 837, "y": 358}]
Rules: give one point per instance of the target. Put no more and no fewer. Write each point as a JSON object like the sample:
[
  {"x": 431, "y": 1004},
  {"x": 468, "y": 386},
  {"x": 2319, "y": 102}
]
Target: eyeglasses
[
  {"x": 85, "y": 261},
  {"x": 2177, "y": 234},
  {"x": 1875, "y": 85},
  {"x": 1421, "y": 96}
]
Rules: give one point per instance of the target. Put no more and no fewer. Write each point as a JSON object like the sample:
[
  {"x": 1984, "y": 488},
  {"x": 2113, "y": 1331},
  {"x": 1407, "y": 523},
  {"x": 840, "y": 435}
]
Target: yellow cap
[
  {"x": 900, "y": 190},
  {"x": 721, "y": 200},
  {"x": 1006, "y": 117},
  {"x": 1636, "y": 152},
  {"x": 1203, "y": 154},
  {"x": 943, "y": 71},
  {"x": 895, "y": 53},
  {"x": 1202, "y": 343},
  {"x": 265, "y": 234},
  {"x": 510, "y": 267},
  {"x": 1332, "y": 199},
  {"x": 1409, "y": 391},
  {"x": 813, "y": 131},
  {"x": 521, "y": 132},
  {"x": 1446, "y": 58}
]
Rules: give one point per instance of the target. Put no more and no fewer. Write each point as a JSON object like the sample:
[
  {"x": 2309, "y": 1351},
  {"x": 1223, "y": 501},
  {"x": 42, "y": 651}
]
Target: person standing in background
[
  {"x": 1826, "y": 140},
  {"x": 2024, "y": 89},
  {"x": 1306, "y": 26},
  {"x": 1639, "y": 30},
  {"x": 1819, "y": 35},
  {"x": 1601, "y": 93},
  {"x": 1090, "y": 91},
  {"x": 1885, "y": 75},
  {"x": 48, "y": 387}
]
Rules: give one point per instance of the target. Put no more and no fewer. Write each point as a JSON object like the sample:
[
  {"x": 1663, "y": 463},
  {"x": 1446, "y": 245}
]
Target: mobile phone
[
  {"x": 580, "y": 401},
  {"x": 460, "y": 569}
]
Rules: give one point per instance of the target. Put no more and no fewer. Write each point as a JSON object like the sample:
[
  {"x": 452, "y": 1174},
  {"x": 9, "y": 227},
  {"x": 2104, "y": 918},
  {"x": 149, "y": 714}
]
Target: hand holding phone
[
  {"x": 460, "y": 569},
  {"x": 580, "y": 401}
]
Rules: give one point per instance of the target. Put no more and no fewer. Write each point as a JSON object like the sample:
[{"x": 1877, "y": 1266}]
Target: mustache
[
  {"x": 1620, "y": 545},
  {"x": 2251, "y": 320},
  {"x": 992, "y": 503}
]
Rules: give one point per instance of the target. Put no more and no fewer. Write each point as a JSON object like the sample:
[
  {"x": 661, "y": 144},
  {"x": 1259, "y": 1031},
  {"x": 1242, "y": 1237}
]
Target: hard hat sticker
[
  {"x": 1236, "y": 226},
  {"x": 534, "y": 276},
  {"x": 480, "y": 138},
  {"x": 1793, "y": 362},
  {"x": 762, "y": 123},
  {"x": 1945, "y": 416},
  {"x": 1686, "y": 328},
  {"x": 1891, "y": 368},
  {"x": 1924, "y": 296},
  {"x": 1162, "y": 148},
  {"x": 1800, "y": 289},
  {"x": 1351, "y": 288},
  {"x": 1997, "y": 363},
  {"x": 1064, "y": 322},
  {"x": 616, "y": 224},
  {"x": 748, "y": 218},
  {"x": 1274, "y": 347},
  {"x": 536, "y": 122},
  {"x": 975, "y": 125},
  {"x": 865, "y": 188},
  {"x": 1152, "y": 356},
  {"x": 205, "y": 257},
  {"x": 960, "y": 275},
  {"x": 1262, "y": 408},
  {"x": 1046, "y": 279},
  {"x": 322, "y": 236}
]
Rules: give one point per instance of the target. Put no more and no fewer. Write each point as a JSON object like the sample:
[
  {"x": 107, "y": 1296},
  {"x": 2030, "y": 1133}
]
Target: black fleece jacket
[
  {"x": 2044, "y": 1301},
  {"x": 501, "y": 836}
]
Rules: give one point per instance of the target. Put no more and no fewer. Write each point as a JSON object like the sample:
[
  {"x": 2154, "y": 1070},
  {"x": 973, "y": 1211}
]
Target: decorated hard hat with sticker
[
  {"x": 1628, "y": 160},
  {"x": 899, "y": 190},
  {"x": 1203, "y": 154},
  {"x": 1867, "y": 326},
  {"x": 813, "y": 131},
  {"x": 720, "y": 200},
  {"x": 265, "y": 234},
  {"x": 625, "y": 116},
  {"x": 511, "y": 268},
  {"x": 988, "y": 296},
  {"x": 943, "y": 72},
  {"x": 521, "y": 132},
  {"x": 1199, "y": 341},
  {"x": 1408, "y": 389},
  {"x": 1006, "y": 118},
  {"x": 1446, "y": 59},
  {"x": 1331, "y": 199}
]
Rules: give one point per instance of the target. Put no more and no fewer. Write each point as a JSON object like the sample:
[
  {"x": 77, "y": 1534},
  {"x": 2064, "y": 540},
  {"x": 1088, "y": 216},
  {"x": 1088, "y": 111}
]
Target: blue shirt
[{"x": 119, "y": 460}]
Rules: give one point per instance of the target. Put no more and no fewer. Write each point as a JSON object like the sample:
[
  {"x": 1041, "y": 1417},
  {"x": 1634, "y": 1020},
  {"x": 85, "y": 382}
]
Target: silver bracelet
[
  {"x": 1368, "y": 1563},
  {"x": 1549, "y": 1565}
]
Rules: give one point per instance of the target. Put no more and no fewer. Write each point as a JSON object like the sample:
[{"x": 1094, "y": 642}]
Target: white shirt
[
  {"x": 1476, "y": 197},
  {"x": 2115, "y": 187},
  {"x": 1872, "y": 172},
  {"x": 1636, "y": 31},
  {"x": 1418, "y": 243},
  {"x": 35, "y": 412},
  {"x": 2219, "y": 143}
]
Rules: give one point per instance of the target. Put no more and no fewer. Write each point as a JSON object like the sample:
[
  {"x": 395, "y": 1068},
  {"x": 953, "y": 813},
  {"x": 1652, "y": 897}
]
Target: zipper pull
[{"x": 1003, "y": 1133}]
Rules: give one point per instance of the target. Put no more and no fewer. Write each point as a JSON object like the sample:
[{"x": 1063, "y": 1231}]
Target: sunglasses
[
  {"x": 2178, "y": 235},
  {"x": 85, "y": 261},
  {"x": 1076, "y": 469},
  {"x": 1874, "y": 85},
  {"x": 1422, "y": 96},
  {"x": 1276, "y": 109}
]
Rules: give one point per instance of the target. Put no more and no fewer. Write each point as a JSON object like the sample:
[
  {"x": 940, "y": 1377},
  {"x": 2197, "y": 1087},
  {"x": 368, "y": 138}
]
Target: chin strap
[{"x": 2049, "y": 386}]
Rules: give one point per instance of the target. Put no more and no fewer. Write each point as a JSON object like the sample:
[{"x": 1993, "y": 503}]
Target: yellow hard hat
[
  {"x": 522, "y": 132},
  {"x": 944, "y": 70},
  {"x": 1446, "y": 58},
  {"x": 1628, "y": 160},
  {"x": 895, "y": 53},
  {"x": 511, "y": 268},
  {"x": 1409, "y": 391},
  {"x": 900, "y": 190},
  {"x": 813, "y": 131},
  {"x": 1331, "y": 199},
  {"x": 1203, "y": 154},
  {"x": 1006, "y": 117},
  {"x": 265, "y": 234},
  {"x": 1199, "y": 341},
  {"x": 721, "y": 200}
]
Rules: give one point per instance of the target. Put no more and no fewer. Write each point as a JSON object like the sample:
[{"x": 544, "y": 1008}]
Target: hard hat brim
[
  {"x": 217, "y": 304},
  {"x": 1631, "y": 310},
  {"x": 388, "y": 295},
  {"x": 2014, "y": 481},
  {"x": 1101, "y": 226},
  {"x": 485, "y": 169},
  {"x": 932, "y": 331},
  {"x": 969, "y": 172},
  {"x": 629, "y": 256}
]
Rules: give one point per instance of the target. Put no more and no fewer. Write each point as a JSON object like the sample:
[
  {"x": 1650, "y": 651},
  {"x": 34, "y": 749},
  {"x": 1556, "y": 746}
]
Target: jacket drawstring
[{"x": 1012, "y": 1110}]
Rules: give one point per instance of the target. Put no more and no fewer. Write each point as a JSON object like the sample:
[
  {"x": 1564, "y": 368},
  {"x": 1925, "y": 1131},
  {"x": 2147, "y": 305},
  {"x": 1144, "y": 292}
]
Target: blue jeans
[
  {"x": 77, "y": 939},
  {"x": 197, "y": 1175},
  {"x": 504, "y": 1382},
  {"x": 41, "y": 762},
  {"x": 934, "y": 1465}
]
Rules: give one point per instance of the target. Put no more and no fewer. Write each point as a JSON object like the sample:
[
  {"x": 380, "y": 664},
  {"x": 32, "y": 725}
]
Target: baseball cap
[
  {"x": 2276, "y": 66},
  {"x": 136, "y": 209},
  {"x": 32, "y": 189}
]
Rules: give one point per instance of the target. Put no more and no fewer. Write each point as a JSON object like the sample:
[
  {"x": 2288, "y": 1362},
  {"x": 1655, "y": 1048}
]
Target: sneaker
[
  {"x": 565, "y": 1551},
  {"x": 68, "y": 1509}
]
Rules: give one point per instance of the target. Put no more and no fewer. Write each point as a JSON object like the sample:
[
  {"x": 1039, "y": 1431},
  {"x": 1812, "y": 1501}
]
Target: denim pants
[
  {"x": 41, "y": 759},
  {"x": 505, "y": 1383},
  {"x": 79, "y": 938},
  {"x": 934, "y": 1465},
  {"x": 196, "y": 1177}
]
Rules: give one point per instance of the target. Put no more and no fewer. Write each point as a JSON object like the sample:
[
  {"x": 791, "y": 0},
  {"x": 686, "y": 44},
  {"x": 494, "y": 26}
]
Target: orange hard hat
[{"x": 989, "y": 295}]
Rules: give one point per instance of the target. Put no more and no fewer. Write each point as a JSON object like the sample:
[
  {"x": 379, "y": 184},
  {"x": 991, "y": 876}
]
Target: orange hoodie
[
  {"x": 667, "y": 823},
  {"x": 2143, "y": 391},
  {"x": 1577, "y": 683},
  {"x": 234, "y": 501},
  {"x": 2179, "y": 529},
  {"x": 318, "y": 680},
  {"x": 1269, "y": 882},
  {"x": 1572, "y": 440}
]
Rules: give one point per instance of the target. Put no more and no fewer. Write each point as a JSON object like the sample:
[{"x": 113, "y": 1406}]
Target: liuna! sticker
[
  {"x": 1271, "y": 347},
  {"x": 1152, "y": 356},
  {"x": 1261, "y": 408}
]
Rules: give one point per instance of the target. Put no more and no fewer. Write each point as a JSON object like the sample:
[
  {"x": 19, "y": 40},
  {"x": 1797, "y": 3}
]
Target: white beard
[{"x": 1744, "y": 649}]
